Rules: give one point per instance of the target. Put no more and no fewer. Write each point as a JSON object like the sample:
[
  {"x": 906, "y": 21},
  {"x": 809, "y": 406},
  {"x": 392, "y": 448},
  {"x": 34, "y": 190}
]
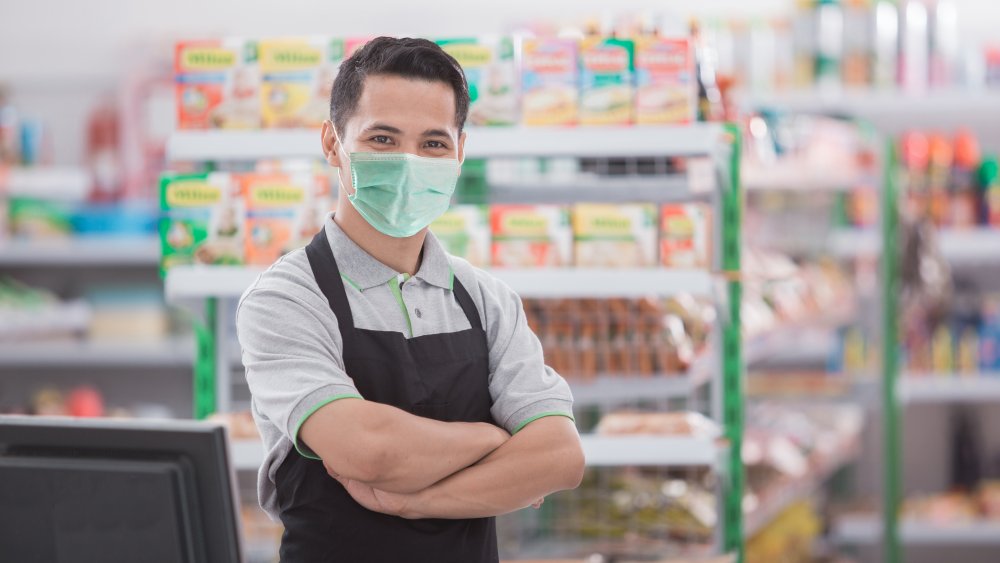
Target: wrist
[{"x": 416, "y": 505}]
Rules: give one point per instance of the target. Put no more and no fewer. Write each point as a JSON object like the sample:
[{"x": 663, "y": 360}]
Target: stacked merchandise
[
  {"x": 948, "y": 181},
  {"x": 223, "y": 218},
  {"x": 246, "y": 83},
  {"x": 584, "y": 338},
  {"x": 584, "y": 235},
  {"x": 910, "y": 45},
  {"x": 652, "y": 511},
  {"x": 948, "y": 185}
]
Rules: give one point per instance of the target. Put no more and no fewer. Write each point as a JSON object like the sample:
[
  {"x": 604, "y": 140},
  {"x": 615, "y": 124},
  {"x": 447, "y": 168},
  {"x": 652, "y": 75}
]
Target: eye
[
  {"x": 436, "y": 145},
  {"x": 381, "y": 140}
]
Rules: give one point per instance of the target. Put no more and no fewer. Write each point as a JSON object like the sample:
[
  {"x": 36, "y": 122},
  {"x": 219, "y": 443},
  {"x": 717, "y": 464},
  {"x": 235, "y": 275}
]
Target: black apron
[{"x": 439, "y": 376}]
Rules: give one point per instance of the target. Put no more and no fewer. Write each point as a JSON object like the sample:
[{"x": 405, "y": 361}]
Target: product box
[
  {"x": 685, "y": 235},
  {"x": 203, "y": 219},
  {"x": 550, "y": 94},
  {"x": 614, "y": 236},
  {"x": 284, "y": 211},
  {"x": 217, "y": 84},
  {"x": 989, "y": 335},
  {"x": 464, "y": 230},
  {"x": 297, "y": 74},
  {"x": 39, "y": 218},
  {"x": 606, "y": 90},
  {"x": 490, "y": 67},
  {"x": 527, "y": 236},
  {"x": 666, "y": 88}
]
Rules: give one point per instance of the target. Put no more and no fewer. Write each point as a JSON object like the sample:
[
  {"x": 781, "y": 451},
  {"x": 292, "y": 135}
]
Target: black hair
[{"x": 406, "y": 57}]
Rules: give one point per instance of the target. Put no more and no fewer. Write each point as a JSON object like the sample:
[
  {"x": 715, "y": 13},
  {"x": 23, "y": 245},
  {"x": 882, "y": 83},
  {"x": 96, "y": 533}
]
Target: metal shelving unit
[
  {"x": 861, "y": 530},
  {"x": 173, "y": 353},
  {"x": 948, "y": 388},
  {"x": 720, "y": 145},
  {"x": 82, "y": 252}
]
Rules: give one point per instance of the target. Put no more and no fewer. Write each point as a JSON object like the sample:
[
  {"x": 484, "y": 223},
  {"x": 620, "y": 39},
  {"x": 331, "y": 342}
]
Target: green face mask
[{"x": 400, "y": 193}]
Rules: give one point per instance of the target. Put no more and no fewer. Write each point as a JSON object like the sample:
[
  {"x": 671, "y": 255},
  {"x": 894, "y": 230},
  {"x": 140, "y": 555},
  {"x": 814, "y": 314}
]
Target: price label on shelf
[{"x": 701, "y": 175}]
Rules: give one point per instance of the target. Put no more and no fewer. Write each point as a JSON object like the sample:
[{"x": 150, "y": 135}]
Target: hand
[{"x": 393, "y": 504}]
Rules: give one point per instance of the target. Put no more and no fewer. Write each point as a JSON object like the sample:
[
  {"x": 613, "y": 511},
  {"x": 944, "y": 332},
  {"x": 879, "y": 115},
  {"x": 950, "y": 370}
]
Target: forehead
[{"x": 413, "y": 105}]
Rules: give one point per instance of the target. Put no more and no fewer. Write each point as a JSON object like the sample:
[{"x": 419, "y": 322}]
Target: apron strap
[
  {"x": 327, "y": 274},
  {"x": 468, "y": 306}
]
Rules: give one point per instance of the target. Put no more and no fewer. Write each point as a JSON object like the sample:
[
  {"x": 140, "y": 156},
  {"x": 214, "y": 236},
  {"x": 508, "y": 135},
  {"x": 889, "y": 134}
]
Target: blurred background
[{"x": 760, "y": 238}]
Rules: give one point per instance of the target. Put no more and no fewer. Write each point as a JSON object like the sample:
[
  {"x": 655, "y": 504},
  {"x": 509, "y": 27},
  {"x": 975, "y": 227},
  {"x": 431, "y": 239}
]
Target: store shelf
[
  {"x": 196, "y": 282},
  {"x": 867, "y": 529},
  {"x": 949, "y": 388},
  {"x": 600, "y": 451},
  {"x": 616, "y": 390},
  {"x": 174, "y": 352},
  {"x": 648, "y": 450},
  {"x": 863, "y": 102},
  {"x": 699, "y": 139},
  {"x": 88, "y": 252},
  {"x": 62, "y": 183},
  {"x": 807, "y": 341},
  {"x": 972, "y": 246},
  {"x": 777, "y": 501},
  {"x": 604, "y": 282},
  {"x": 611, "y": 189}
]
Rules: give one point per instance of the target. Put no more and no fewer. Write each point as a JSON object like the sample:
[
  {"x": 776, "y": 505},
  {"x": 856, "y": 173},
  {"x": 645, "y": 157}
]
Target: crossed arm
[{"x": 397, "y": 463}]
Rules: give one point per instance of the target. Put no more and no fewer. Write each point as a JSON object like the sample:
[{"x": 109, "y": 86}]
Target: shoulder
[
  {"x": 290, "y": 279},
  {"x": 488, "y": 292}
]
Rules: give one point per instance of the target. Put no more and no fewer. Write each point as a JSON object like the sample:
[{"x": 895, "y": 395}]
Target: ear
[
  {"x": 461, "y": 147},
  {"x": 331, "y": 148}
]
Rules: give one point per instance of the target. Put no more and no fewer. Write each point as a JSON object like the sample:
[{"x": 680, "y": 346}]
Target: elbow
[{"x": 574, "y": 465}]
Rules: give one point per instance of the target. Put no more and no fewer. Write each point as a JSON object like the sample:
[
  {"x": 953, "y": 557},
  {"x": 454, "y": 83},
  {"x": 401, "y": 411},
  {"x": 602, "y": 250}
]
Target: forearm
[
  {"x": 395, "y": 451},
  {"x": 543, "y": 458}
]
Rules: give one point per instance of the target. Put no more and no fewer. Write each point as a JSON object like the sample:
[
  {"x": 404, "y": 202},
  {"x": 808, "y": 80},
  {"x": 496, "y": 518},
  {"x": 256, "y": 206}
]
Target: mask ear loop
[{"x": 338, "y": 144}]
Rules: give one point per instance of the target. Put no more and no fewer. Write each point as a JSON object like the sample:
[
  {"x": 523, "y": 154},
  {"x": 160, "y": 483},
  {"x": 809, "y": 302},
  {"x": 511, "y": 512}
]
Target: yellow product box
[
  {"x": 217, "y": 84},
  {"x": 606, "y": 90},
  {"x": 526, "y": 236},
  {"x": 666, "y": 86},
  {"x": 297, "y": 74},
  {"x": 202, "y": 220},
  {"x": 550, "y": 92},
  {"x": 685, "y": 235},
  {"x": 284, "y": 211},
  {"x": 490, "y": 67},
  {"x": 614, "y": 235},
  {"x": 464, "y": 230}
]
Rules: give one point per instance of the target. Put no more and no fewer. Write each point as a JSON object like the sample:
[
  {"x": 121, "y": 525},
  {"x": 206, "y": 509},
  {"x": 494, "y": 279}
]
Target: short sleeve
[
  {"x": 292, "y": 351},
  {"x": 523, "y": 388}
]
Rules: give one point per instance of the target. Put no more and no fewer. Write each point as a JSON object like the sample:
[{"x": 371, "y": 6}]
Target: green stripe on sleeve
[
  {"x": 299, "y": 446},
  {"x": 542, "y": 415}
]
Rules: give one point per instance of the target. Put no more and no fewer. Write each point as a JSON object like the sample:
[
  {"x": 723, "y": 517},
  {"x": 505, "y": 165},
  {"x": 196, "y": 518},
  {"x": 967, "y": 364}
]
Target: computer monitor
[{"x": 108, "y": 491}]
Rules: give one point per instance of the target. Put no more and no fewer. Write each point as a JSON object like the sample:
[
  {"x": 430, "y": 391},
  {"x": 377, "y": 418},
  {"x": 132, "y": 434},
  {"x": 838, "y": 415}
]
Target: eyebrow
[
  {"x": 384, "y": 127},
  {"x": 437, "y": 133}
]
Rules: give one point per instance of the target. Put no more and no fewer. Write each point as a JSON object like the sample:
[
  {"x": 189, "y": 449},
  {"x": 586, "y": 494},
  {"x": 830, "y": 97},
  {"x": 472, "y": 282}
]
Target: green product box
[
  {"x": 490, "y": 66},
  {"x": 203, "y": 220}
]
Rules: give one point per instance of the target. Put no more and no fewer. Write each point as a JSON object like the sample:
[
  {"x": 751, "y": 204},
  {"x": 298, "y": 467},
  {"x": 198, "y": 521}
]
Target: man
[{"x": 401, "y": 395}]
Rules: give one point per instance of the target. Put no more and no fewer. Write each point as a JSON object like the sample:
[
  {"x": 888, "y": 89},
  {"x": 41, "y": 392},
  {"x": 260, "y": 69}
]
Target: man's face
[{"x": 396, "y": 114}]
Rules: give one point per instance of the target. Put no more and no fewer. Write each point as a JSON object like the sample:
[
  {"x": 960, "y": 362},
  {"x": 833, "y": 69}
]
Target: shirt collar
[{"x": 363, "y": 271}]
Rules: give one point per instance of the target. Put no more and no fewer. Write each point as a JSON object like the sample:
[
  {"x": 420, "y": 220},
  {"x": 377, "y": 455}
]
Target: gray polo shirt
[{"x": 292, "y": 347}]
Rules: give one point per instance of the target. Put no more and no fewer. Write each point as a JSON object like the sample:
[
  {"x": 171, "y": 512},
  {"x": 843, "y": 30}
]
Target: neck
[{"x": 400, "y": 254}]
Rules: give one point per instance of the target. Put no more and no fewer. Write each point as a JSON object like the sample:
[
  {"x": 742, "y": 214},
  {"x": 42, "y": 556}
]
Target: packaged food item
[
  {"x": 685, "y": 235},
  {"x": 989, "y": 335},
  {"x": 490, "y": 69},
  {"x": 531, "y": 235},
  {"x": 464, "y": 230},
  {"x": 202, "y": 222},
  {"x": 550, "y": 94},
  {"x": 606, "y": 91},
  {"x": 989, "y": 181},
  {"x": 284, "y": 211},
  {"x": 39, "y": 219},
  {"x": 666, "y": 90},
  {"x": 297, "y": 74},
  {"x": 217, "y": 84},
  {"x": 610, "y": 235}
]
